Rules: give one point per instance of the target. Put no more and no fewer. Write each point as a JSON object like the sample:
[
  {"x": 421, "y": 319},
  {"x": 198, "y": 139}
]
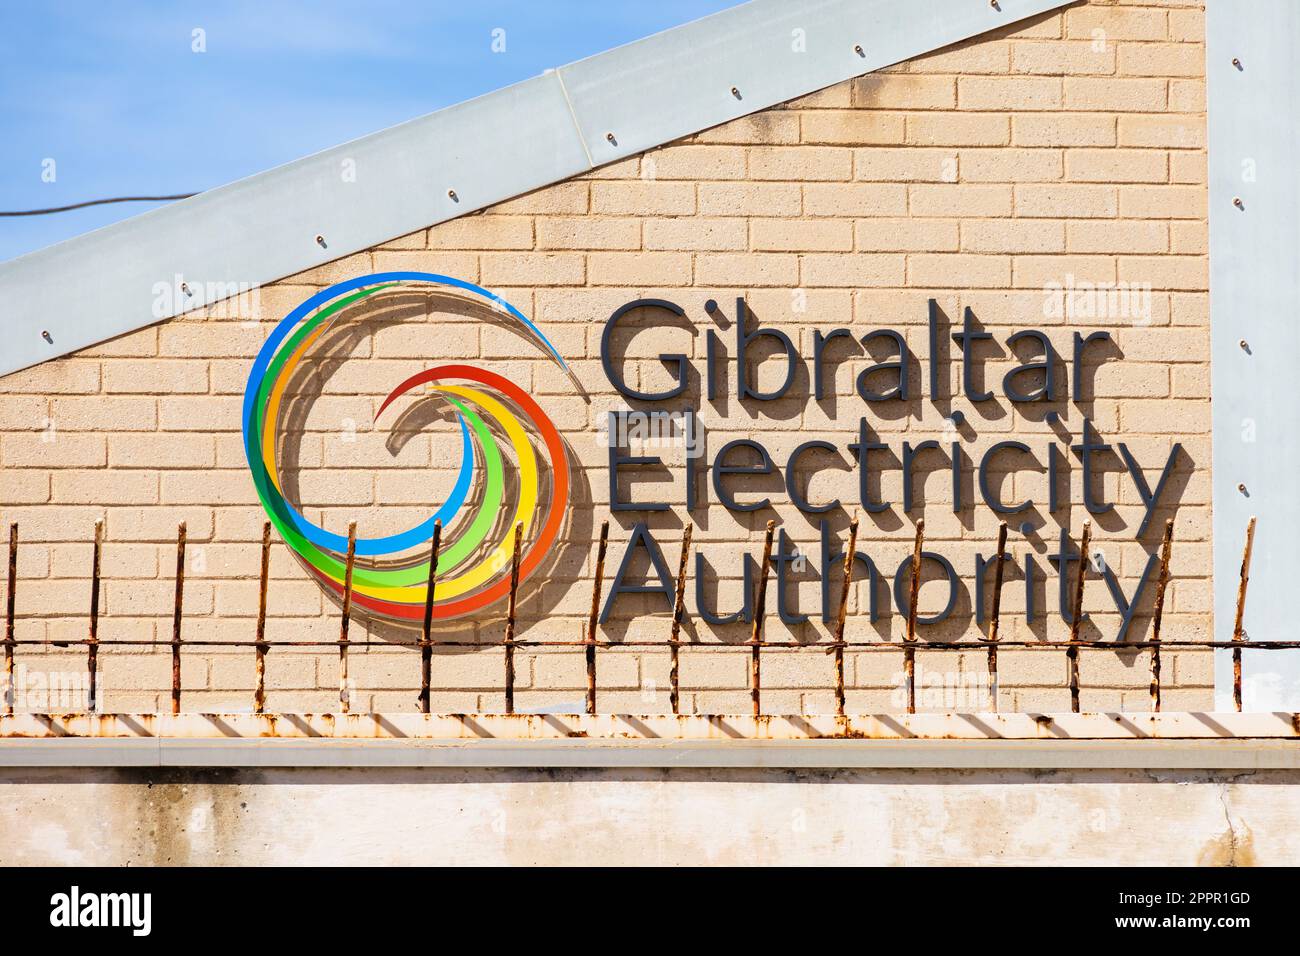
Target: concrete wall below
[{"x": 451, "y": 816}]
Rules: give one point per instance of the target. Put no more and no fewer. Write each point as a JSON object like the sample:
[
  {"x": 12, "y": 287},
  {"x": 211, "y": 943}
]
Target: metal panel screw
[
  {"x": 45, "y": 334},
  {"x": 320, "y": 241},
  {"x": 1236, "y": 201},
  {"x": 994, "y": 5},
  {"x": 857, "y": 48},
  {"x": 1236, "y": 62},
  {"x": 735, "y": 92},
  {"x": 610, "y": 137},
  {"x": 1243, "y": 344},
  {"x": 1241, "y": 488},
  {"x": 185, "y": 287},
  {"x": 451, "y": 194}
]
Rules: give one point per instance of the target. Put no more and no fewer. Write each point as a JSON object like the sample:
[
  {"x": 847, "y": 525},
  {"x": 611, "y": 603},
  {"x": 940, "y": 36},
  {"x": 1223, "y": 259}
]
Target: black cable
[{"x": 96, "y": 202}]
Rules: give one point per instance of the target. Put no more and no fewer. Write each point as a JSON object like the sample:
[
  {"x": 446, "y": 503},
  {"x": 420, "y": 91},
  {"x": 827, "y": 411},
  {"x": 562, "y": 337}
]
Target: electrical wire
[{"x": 95, "y": 202}]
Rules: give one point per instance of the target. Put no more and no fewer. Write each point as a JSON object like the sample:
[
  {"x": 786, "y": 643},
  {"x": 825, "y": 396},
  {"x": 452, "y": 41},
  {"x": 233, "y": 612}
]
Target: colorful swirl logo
[{"x": 475, "y": 556}]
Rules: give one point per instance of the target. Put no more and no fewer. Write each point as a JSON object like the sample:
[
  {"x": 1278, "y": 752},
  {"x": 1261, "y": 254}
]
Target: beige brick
[
  {"x": 1011, "y": 165},
  {"x": 1189, "y": 237},
  {"x": 840, "y": 270},
  {"x": 25, "y": 413},
  {"x": 800, "y": 163},
  {"x": 902, "y": 91},
  {"x": 1115, "y": 95},
  {"x": 105, "y": 487},
  {"x": 1009, "y": 92},
  {"x": 856, "y": 199},
  {"x": 1063, "y": 129},
  {"x": 780, "y": 235},
  {"x": 1117, "y": 165},
  {"x": 639, "y": 268},
  {"x": 906, "y": 235},
  {"x": 1118, "y": 236},
  {"x": 462, "y": 265},
  {"x": 1035, "y": 272},
  {"x": 959, "y": 199},
  {"x": 141, "y": 377},
  {"x": 201, "y": 413},
  {"x": 971, "y": 56},
  {"x": 1108, "y": 24},
  {"x": 1065, "y": 58},
  {"x": 588, "y": 232},
  {"x": 52, "y": 449},
  {"x": 1012, "y": 235},
  {"x": 979, "y": 272},
  {"x": 694, "y": 233},
  {"x": 641, "y": 198},
  {"x": 1162, "y": 59},
  {"x": 103, "y": 413},
  {"x": 851, "y": 127},
  {"x": 1174, "y": 132},
  {"x": 25, "y": 487},
  {"x": 209, "y": 339},
  {"x": 770, "y": 128},
  {"x": 207, "y": 487},
  {"x": 561, "y": 199},
  {"x": 830, "y": 98},
  {"x": 747, "y": 269},
  {"x": 67, "y": 376},
  {"x": 750, "y": 199},
  {"x": 1066, "y": 201},
  {"x": 483, "y": 232},
  {"x": 1162, "y": 202},
  {"x": 1187, "y": 96},
  {"x": 908, "y": 164},
  {"x": 149, "y": 451},
  {"x": 533, "y": 268},
  {"x": 958, "y": 129},
  {"x": 1166, "y": 272},
  {"x": 694, "y": 162}
]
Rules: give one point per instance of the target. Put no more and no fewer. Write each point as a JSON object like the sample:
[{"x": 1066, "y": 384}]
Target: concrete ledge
[
  {"x": 655, "y": 727},
  {"x": 1049, "y": 754}
]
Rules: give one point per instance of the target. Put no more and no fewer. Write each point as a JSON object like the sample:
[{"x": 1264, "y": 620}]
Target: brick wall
[{"x": 1068, "y": 149}]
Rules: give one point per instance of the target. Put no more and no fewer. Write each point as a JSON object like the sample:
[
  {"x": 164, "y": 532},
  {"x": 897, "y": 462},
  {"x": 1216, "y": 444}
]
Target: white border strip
[{"x": 1237, "y": 754}]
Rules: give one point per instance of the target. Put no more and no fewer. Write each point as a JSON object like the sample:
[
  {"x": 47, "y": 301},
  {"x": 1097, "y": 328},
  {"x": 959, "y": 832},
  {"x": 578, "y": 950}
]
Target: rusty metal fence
[{"x": 591, "y": 643}]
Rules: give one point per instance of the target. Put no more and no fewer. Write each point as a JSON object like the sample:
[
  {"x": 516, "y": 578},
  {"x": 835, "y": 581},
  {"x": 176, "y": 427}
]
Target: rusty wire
[{"x": 591, "y": 641}]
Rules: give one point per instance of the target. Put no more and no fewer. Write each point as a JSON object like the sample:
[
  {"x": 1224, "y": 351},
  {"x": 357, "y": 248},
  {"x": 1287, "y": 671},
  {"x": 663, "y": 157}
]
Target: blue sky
[{"x": 115, "y": 95}]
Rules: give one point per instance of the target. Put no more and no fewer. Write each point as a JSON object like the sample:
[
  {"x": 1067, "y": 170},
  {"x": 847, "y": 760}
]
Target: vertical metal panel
[{"x": 1255, "y": 334}]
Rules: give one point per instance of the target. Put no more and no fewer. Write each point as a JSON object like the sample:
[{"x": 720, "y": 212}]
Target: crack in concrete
[{"x": 1232, "y": 830}]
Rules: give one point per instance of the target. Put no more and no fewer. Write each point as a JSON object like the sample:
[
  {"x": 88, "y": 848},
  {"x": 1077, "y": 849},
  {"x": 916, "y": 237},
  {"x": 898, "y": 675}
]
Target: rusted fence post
[
  {"x": 909, "y": 650},
  {"x": 345, "y": 698},
  {"x": 995, "y": 617},
  {"x": 850, "y": 555},
  {"x": 756, "y": 635},
  {"x": 1238, "y": 633},
  {"x": 1162, "y": 582},
  {"x": 679, "y": 609},
  {"x": 259, "y": 662},
  {"x": 1072, "y": 652},
  {"x": 593, "y": 618},
  {"x": 426, "y": 642},
  {"x": 10, "y": 690},
  {"x": 176, "y": 618},
  {"x": 92, "y": 637},
  {"x": 510, "y": 620}
]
